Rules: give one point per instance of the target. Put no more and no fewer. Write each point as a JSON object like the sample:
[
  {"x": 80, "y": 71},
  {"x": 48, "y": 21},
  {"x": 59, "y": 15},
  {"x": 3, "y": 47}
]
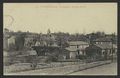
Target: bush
[{"x": 82, "y": 57}]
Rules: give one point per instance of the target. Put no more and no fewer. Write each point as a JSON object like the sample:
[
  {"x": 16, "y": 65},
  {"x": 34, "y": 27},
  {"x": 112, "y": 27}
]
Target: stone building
[{"x": 76, "y": 48}]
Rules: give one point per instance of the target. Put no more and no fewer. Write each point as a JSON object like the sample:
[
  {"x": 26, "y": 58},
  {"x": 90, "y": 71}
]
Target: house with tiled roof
[
  {"x": 102, "y": 48},
  {"x": 76, "y": 48},
  {"x": 107, "y": 40}
]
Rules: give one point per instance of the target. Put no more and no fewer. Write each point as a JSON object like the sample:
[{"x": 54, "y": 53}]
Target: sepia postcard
[{"x": 60, "y": 38}]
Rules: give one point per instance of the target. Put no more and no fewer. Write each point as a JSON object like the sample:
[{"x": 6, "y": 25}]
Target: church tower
[{"x": 49, "y": 33}]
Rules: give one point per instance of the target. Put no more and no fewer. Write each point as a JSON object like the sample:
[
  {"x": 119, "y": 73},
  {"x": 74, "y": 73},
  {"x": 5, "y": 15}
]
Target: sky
[{"x": 65, "y": 17}]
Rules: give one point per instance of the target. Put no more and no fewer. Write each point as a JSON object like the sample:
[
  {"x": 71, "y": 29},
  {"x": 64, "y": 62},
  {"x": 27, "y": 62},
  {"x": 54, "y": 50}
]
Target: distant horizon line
[{"x": 61, "y": 31}]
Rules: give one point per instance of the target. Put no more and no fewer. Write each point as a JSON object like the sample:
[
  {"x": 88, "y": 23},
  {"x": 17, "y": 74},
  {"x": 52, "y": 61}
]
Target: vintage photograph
[{"x": 60, "y": 38}]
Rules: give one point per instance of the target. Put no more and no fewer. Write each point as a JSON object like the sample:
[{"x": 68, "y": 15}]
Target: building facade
[
  {"x": 76, "y": 48},
  {"x": 103, "y": 48}
]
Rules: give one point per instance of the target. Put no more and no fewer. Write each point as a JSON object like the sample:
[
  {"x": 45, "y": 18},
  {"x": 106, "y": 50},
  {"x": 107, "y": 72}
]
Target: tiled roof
[
  {"x": 104, "y": 39},
  {"x": 71, "y": 48},
  {"x": 77, "y": 42},
  {"x": 105, "y": 46}
]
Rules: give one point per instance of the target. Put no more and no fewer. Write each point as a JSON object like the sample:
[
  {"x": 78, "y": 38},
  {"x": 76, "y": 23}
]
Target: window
[
  {"x": 77, "y": 46},
  {"x": 78, "y": 52}
]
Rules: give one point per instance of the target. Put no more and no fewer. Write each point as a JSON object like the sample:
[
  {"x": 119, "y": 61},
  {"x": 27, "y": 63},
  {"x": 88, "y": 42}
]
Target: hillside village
[{"x": 58, "y": 47}]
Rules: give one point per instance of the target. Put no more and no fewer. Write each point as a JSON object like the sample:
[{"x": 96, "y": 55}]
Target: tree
[
  {"x": 20, "y": 39},
  {"x": 62, "y": 39}
]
